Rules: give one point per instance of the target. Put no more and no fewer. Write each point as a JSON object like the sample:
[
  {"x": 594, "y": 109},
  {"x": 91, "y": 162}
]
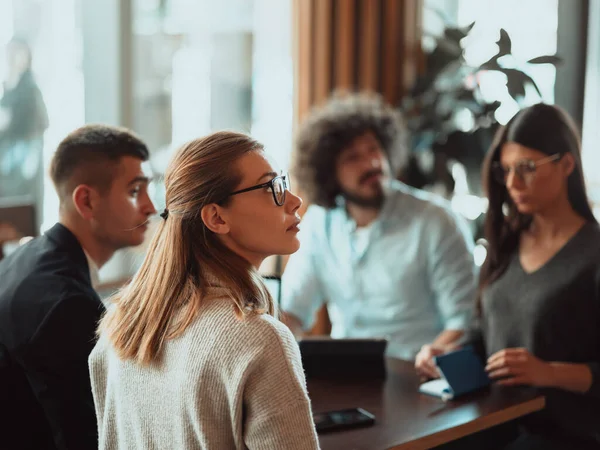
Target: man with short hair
[
  {"x": 391, "y": 261},
  {"x": 48, "y": 307}
]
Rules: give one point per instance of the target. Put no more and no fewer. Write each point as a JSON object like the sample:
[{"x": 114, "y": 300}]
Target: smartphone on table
[{"x": 343, "y": 419}]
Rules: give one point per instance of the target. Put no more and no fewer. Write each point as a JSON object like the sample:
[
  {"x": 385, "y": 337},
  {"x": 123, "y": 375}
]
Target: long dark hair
[{"x": 547, "y": 129}]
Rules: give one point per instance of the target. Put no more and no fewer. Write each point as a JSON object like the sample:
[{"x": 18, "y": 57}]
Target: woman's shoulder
[
  {"x": 101, "y": 353},
  {"x": 272, "y": 328},
  {"x": 265, "y": 330},
  {"x": 580, "y": 257},
  {"x": 587, "y": 242},
  {"x": 592, "y": 229},
  {"x": 254, "y": 328},
  {"x": 242, "y": 339},
  {"x": 276, "y": 342}
]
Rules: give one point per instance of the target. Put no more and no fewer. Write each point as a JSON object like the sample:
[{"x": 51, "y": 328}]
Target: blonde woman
[{"x": 190, "y": 355}]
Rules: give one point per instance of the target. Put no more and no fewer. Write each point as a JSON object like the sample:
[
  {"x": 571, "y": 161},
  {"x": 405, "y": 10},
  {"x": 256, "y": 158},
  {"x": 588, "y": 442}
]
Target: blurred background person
[
  {"x": 392, "y": 261},
  {"x": 23, "y": 120},
  {"x": 539, "y": 299}
]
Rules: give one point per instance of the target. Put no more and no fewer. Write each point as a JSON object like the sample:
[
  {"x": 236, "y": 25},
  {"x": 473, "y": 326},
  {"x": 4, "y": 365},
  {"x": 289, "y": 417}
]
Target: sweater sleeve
[{"x": 277, "y": 409}]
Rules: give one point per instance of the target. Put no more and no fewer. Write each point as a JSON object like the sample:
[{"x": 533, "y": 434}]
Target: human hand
[
  {"x": 516, "y": 366},
  {"x": 424, "y": 361}
]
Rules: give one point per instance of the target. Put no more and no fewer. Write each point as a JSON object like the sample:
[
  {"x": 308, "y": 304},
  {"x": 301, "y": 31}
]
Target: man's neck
[
  {"x": 97, "y": 253},
  {"x": 363, "y": 216}
]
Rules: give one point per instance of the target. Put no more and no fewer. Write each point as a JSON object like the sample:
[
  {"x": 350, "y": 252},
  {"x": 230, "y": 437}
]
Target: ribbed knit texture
[{"x": 226, "y": 383}]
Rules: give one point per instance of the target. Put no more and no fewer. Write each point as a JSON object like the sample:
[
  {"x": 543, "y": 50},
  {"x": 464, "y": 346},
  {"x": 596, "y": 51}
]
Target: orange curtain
[{"x": 372, "y": 45}]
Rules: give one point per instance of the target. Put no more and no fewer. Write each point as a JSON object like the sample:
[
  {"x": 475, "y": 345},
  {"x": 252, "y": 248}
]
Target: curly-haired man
[{"x": 391, "y": 261}]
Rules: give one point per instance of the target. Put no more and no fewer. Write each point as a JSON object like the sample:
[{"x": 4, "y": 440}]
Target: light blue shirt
[{"x": 407, "y": 277}]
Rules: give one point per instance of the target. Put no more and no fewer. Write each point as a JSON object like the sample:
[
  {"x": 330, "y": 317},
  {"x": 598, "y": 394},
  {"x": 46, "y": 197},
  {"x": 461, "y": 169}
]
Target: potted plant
[{"x": 449, "y": 119}]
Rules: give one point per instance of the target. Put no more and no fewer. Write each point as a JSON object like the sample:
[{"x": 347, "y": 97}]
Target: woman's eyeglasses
[
  {"x": 524, "y": 169},
  {"x": 278, "y": 186}
]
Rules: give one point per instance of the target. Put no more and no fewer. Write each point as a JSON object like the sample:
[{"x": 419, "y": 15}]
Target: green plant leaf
[
  {"x": 456, "y": 34},
  {"x": 490, "y": 64},
  {"x": 548, "y": 59},
  {"x": 516, "y": 81},
  {"x": 449, "y": 46},
  {"x": 504, "y": 43},
  {"x": 469, "y": 27}
]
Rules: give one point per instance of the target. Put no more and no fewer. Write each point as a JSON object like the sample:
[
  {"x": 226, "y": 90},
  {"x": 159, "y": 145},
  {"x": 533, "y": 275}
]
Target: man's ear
[
  {"x": 84, "y": 200},
  {"x": 213, "y": 219}
]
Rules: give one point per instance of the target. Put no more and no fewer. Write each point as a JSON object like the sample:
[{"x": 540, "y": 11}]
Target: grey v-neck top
[{"x": 554, "y": 312}]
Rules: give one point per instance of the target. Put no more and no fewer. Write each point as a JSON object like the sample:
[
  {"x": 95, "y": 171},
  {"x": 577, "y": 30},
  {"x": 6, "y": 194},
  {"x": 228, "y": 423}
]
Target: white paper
[{"x": 438, "y": 388}]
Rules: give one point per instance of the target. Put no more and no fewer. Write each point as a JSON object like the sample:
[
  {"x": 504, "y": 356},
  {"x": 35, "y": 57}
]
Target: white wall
[{"x": 591, "y": 108}]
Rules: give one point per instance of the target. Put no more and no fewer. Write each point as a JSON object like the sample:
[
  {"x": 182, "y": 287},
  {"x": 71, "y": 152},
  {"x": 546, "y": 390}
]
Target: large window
[
  {"x": 52, "y": 31},
  {"x": 201, "y": 66},
  {"x": 591, "y": 121},
  {"x": 532, "y": 26},
  {"x": 171, "y": 70}
]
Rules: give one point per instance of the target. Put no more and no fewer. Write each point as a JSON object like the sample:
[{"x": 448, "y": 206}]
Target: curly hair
[{"x": 331, "y": 128}]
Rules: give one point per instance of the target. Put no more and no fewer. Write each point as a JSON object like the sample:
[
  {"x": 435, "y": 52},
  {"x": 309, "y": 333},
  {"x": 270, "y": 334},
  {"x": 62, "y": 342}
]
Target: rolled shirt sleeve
[{"x": 452, "y": 270}]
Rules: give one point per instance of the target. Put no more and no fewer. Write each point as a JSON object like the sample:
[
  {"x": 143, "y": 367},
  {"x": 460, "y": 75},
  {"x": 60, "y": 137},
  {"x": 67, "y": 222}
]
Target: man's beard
[{"x": 374, "y": 201}]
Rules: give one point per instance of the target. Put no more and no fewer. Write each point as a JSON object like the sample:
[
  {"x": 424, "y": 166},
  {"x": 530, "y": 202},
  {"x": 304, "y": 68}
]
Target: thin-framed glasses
[
  {"x": 524, "y": 169},
  {"x": 278, "y": 186}
]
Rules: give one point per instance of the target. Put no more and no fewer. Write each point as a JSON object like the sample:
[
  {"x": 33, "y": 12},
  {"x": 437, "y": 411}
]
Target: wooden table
[{"x": 406, "y": 419}]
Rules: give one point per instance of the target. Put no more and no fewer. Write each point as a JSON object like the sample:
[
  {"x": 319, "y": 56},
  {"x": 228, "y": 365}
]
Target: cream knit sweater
[{"x": 226, "y": 383}]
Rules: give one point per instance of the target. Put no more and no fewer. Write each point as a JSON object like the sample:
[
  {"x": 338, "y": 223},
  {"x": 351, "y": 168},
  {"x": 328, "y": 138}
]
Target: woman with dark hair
[{"x": 539, "y": 298}]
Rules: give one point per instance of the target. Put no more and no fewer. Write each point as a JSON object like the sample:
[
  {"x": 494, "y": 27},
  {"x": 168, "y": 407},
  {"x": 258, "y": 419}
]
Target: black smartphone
[{"x": 343, "y": 419}]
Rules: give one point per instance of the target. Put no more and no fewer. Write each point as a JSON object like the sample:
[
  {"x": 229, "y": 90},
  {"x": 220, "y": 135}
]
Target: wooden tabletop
[{"x": 406, "y": 419}]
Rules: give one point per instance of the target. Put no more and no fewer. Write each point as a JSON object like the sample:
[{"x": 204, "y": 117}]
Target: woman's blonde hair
[{"x": 184, "y": 256}]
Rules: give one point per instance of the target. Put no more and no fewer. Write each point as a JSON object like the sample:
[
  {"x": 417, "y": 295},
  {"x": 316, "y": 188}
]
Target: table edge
[{"x": 481, "y": 423}]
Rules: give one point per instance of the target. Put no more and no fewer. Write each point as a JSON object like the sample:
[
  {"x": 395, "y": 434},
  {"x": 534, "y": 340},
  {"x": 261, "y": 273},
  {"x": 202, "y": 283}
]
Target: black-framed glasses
[
  {"x": 278, "y": 185},
  {"x": 524, "y": 169}
]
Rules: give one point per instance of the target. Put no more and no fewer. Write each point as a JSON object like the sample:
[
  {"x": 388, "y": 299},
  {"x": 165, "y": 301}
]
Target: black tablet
[{"x": 324, "y": 357}]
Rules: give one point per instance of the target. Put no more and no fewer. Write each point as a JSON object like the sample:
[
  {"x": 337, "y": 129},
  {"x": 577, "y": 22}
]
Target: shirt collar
[
  {"x": 94, "y": 271},
  {"x": 384, "y": 213}
]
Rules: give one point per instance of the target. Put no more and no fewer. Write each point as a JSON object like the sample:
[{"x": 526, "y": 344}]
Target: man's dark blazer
[{"x": 48, "y": 316}]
